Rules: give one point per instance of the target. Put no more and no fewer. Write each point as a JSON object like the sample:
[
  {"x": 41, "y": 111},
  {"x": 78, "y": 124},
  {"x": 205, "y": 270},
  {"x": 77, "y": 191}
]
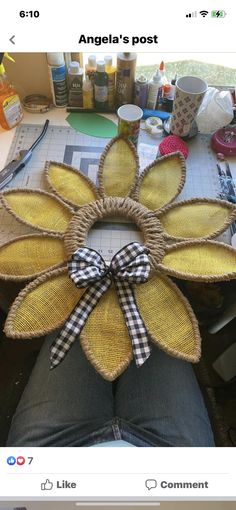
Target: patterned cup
[{"x": 189, "y": 94}]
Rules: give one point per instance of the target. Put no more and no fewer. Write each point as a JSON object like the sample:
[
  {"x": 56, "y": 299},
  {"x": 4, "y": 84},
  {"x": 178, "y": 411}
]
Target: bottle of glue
[
  {"x": 155, "y": 86},
  {"x": 11, "y": 112}
]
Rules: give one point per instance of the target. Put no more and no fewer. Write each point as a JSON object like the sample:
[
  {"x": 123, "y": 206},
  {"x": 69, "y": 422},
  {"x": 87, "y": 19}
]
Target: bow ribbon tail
[
  {"x": 134, "y": 322},
  {"x": 76, "y": 321}
]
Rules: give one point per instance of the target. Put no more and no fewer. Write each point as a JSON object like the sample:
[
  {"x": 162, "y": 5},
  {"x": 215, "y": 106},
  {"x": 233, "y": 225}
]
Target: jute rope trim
[
  {"x": 102, "y": 162},
  {"x": 77, "y": 172},
  {"x": 31, "y": 192},
  {"x": 82, "y": 221},
  {"x": 194, "y": 277},
  {"x": 220, "y": 203},
  {"x": 136, "y": 191},
  {"x": 106, "y": 374},
  {"x": 9, "y": 324},
  {"x": 165, "y": 347},
  {"x": 22, "y": 278}
]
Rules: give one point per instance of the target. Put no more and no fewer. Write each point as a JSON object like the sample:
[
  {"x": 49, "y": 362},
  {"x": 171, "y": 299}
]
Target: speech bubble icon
[{"x": 151, "y": 483}]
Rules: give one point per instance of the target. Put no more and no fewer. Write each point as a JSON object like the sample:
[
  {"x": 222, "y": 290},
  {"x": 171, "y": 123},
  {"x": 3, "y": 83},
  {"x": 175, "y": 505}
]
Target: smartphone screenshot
[{"x": 117, "y": 255}]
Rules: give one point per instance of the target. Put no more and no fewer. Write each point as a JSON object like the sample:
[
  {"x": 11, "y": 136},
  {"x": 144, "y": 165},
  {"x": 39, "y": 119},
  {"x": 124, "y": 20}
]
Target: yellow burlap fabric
[
  {"x": 38, "y": 209},
  {"x": 202, "y": 261},
  {"x": 72, "y": 185},
  {"x": 109, "y": 350},
  {"x": 30, "y": 255},
  {"x": 197, "y": 218},
  {"x": 43, "y": 305},
  {"x": 114, "y": 178},
  {"x": 168, "y": 317},
  {"x": 161, "y": 182}
]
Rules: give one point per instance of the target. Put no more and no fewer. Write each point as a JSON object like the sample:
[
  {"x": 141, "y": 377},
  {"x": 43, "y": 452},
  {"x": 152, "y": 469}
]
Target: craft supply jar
[{"x": 129, "y": 116}]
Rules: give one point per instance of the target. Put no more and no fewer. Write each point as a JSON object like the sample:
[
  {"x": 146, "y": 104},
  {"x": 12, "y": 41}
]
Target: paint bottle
[
  {"x": 165, "y": 103},
  {"x": 11, "y": 112},
  {"x": 125, "y": 76},
  {"x": 163, "y": 73},
  {"x": 101, "y": 86},
  {"x": 111, "y": 73},
  {"x": 57, "y": 77},
  {"x": 154, "y": 90},
  {"x": 90, "y": 67},
  {"x": 141, "y": 91},
  {"x": 77, "y": 57},
  {"x": 75, "y": 85},
  {"x": 68, "y": 59},
  {"x": 88, "y": 101}
]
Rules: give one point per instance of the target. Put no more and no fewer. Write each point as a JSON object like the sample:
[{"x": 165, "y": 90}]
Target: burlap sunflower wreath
[{"x": 119, "y": 310}]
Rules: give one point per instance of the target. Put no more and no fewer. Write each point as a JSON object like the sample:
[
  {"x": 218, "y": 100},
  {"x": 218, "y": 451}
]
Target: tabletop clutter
[
  {"x": 179, "y": 106},
  {"x": 105, "y": 87},
  {"x": 102, "y": 86}
]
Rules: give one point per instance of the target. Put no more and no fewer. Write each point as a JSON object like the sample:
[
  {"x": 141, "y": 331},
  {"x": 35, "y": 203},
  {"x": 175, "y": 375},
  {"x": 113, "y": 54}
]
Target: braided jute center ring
[{"x": 147, "y": 222}]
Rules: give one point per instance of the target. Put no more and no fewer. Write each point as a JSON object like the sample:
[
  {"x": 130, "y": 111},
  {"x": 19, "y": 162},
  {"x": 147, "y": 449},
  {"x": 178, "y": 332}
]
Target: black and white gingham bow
[{"x": 88, "y": 269}]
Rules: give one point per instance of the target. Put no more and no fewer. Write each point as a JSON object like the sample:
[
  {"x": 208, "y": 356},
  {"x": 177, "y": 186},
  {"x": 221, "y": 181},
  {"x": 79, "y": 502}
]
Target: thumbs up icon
[{"x": 47, "y": 486}]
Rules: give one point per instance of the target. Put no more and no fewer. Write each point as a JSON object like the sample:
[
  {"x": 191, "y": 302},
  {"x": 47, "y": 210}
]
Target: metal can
[{"x": 129, "y": 121}]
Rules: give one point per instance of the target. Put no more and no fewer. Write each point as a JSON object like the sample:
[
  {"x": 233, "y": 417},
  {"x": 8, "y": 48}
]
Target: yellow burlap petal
[
  {"x": 169, "y": 318},
  {"x": 118, "y": 168},
  {"x": 206, "y": 261},
  {"x": 38, "y": 209},
  {"x": 28, "y": 256},
  {"x": 70, "y": 185},
  {"x": 161, "y": 182},
  {"x": 105, "y": 338},
  {"x": 43, "y": 305},
  {"x": 197, "y": 218}
]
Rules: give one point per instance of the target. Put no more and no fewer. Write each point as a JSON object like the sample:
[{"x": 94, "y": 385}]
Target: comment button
[{"x": 151, "y": 483}]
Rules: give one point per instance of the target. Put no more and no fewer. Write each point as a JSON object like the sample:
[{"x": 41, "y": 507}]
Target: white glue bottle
[
  {"x": 155, "y": 85},
  {"x": 57, "y": 76}
]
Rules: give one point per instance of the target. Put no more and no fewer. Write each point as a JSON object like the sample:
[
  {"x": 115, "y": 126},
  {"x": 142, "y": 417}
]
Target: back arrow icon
[{"x": 12, "y": 39}]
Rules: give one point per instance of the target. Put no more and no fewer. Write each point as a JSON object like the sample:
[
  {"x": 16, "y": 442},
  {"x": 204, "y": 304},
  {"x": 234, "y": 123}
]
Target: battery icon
[{"x": 218, "y": 14}]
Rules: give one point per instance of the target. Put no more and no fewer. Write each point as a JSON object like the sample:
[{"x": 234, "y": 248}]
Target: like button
[{"x": 47, "y": 486}]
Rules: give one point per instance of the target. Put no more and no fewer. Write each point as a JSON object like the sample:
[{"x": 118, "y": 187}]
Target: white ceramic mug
[{"x": 189, "y": 94}]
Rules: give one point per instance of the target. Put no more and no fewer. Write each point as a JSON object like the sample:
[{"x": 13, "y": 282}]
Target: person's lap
[{"x": 68, "y": 405}]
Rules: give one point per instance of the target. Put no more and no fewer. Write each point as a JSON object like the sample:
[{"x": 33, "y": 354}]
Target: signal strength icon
[
  {"x": 191, "y": 14},
  {"x": 204, "y": 13}
]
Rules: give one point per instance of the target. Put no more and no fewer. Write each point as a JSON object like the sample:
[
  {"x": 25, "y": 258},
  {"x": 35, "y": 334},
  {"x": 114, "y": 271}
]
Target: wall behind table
[{"x": 29, "y": 74}]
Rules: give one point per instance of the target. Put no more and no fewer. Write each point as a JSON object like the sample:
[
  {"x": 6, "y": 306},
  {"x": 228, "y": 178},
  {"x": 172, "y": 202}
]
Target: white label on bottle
[
  {"x": 12, "y": 110},
  {"x": 101, "y": 93}
]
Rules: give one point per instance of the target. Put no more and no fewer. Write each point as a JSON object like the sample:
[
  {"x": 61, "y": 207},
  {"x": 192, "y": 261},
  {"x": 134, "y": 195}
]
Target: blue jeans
[{"x": 158, "y": 404}]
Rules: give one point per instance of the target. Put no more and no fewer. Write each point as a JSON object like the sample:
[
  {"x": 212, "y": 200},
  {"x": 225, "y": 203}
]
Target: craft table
[{"x": 202, "y": 179}]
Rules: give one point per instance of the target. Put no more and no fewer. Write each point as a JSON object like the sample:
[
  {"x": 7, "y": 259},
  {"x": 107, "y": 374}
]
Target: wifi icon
[{"x": 204, "y": 13}]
